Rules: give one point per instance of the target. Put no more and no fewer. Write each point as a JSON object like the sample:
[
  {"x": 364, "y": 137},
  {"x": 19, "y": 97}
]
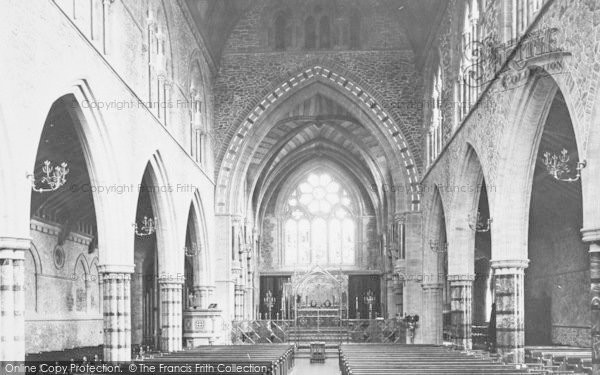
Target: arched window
[
  {"x": 319, "y": 227},
  {"x": 324, "y": 33},
  {"x": 355, "y": 30},
  {"x": 310, "y": 34},
  {"x": 280, "y": 31}
]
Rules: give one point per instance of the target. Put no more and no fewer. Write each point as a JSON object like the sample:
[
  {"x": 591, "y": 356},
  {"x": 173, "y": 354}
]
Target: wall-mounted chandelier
[
  {"x": 54, "y": 177},
  {"x": 479, "y": 224},
  {"x": 192, "y": 251},
  {"x": 438, "y": 246},
  {"x": 147, "y": 228},
  {"x": 557, "y": 166}
]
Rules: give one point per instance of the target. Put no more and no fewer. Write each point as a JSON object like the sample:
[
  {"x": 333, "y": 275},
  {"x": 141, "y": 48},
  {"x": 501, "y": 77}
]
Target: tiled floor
[{"x": 304, "y": 367}]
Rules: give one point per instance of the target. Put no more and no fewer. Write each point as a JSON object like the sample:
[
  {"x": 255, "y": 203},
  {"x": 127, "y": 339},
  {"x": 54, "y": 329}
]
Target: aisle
[{"x": 304, "y": 367}]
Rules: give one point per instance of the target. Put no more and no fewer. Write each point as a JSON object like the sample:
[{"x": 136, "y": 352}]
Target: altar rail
[{"x": 383, "y": 331}]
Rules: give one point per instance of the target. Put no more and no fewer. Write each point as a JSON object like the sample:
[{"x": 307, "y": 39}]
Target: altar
[
  {"x": 318, "y": 317},
  {"x": 317, "y": 298}
]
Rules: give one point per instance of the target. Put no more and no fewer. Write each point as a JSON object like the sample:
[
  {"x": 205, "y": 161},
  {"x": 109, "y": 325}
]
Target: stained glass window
[{"x": 319, "y": 226}]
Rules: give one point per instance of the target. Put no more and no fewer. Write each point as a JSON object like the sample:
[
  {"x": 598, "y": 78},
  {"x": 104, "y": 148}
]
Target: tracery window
[{"x": 319, "y": 225}]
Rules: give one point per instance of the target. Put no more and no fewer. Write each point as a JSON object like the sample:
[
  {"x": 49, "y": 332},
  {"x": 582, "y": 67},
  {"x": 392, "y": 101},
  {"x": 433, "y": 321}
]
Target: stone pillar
[
  {"x": 115, "y": 282},
  {"x": 171, "y": 309},
  {"x": 12, "y": 298},
  {"x": 461, "y": 302},
  {"x": 431, "y": 325},
  {"x": 509, "y": 289},
  {"x": 592, "y": 236},
  {"x": 248, "y": 302},
  {"x": 239, "y": 303}
]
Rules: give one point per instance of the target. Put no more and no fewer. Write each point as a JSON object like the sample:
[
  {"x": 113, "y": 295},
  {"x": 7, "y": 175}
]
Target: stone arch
[
  {"x": 99, "y": 158},
  {"x": 465, "y": 197},
  {"x": 80, "y": 278},
  {"x": 163, "y": 208},
  {"x": 368, "y": 105},
  {"x": 202, "y": 270},
  {"x": 434, "y": 269},
  {"x": 514, "y": 176},
  {"x": 31, "y": 278}
]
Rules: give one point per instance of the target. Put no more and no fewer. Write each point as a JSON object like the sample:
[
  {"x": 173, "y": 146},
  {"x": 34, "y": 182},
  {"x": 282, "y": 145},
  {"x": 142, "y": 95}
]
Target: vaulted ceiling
[{"x": 317, "y": 130}]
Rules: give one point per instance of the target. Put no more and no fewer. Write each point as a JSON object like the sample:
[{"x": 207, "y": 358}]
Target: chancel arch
[{"x": 283, "y": 98}]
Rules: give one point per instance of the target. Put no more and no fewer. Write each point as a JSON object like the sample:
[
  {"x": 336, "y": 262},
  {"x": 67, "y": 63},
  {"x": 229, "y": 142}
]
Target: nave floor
[{"x": 304, "y": 367}]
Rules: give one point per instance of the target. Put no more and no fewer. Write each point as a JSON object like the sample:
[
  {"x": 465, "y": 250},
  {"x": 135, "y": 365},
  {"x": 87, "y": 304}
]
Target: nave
[{"x": 393, "y": 178}]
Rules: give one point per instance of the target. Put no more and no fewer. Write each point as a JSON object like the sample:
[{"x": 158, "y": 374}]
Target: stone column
[
  {"x": 509, "y": 289},
  {"x": 115, "y": 282},
  {"x": 239, "y": 303},
  {"x": 431, "y": 325},
  {"x": 461, "y": 302},
  {"x": 592, "y": 236},
  {"x": 171, "y": 318},
  {"x": 12, "y": 298}
]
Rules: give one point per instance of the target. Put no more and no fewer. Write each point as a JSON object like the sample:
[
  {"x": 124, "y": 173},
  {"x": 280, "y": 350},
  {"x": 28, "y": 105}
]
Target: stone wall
[
  {"x": 383, "y": 66},
  {"x": 62, "y": 298}
]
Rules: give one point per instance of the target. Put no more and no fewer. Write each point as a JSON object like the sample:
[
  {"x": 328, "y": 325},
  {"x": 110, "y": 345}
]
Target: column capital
[
  {"x": 508, "y": 266},
  {"x": 14, "y": 243},
  {"x": 116, "y": 268},
  {"x": 590, "y": 234}
]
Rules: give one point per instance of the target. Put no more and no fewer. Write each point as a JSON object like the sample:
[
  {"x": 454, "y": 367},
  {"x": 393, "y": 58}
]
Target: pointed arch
[
  {"x": 530, "y": 109},
  {"x": 364, "y": 104},
  {"x": 466, "y": 191},
  {"x": 161, "y": 200}
]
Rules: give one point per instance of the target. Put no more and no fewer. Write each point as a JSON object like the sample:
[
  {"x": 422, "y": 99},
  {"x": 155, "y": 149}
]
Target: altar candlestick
[{"x": 356, "y": 304}]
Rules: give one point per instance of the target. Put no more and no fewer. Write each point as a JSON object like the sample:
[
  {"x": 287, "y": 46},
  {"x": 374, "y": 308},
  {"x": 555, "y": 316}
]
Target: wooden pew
[
  {"x": 277, "y": 358},
  {"x": 416, "y": 359}
]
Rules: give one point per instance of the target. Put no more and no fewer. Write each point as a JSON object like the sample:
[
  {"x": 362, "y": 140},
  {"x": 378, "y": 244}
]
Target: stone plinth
[{"x": 203, "y": 327}]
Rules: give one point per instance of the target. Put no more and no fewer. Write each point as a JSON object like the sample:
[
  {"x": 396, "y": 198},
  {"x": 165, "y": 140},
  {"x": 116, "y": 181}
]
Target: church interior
[{"x": 326, "y": 186}]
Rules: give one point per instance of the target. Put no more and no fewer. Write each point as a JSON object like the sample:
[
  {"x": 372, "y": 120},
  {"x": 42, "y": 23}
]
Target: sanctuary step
[
  {"x": 329, "y": 335},
  {"x": 384, "y": 359}
]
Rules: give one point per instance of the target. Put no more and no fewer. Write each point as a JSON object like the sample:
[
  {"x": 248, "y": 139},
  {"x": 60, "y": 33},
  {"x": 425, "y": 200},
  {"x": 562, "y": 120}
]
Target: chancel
[{"x": 301, "y": 186}]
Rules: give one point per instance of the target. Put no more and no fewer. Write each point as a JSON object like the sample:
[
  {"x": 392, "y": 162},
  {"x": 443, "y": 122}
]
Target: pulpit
[{"x": 203, "y": 327}]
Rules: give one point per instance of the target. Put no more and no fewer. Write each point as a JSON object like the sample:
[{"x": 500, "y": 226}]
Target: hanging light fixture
[
  {"x": 438, "y": 246},
  {"x": 557, "y": 166},
  {"x": 479, "y": 224},
  {"x": 147, "y": 228},
  {"x": 54, "y": 177}
]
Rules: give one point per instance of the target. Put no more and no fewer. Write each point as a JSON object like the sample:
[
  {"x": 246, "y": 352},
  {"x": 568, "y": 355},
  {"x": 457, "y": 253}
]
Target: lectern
[{"x": 317, "y": 352}]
